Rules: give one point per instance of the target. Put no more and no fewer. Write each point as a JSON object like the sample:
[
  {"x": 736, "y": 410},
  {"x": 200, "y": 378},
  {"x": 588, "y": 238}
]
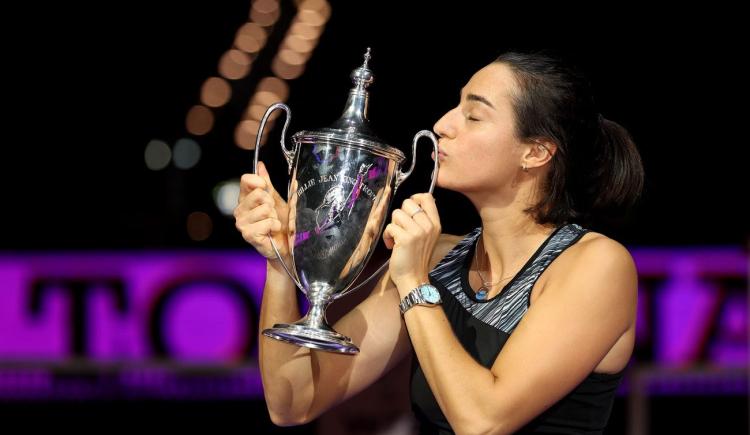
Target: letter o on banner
[{"x": 208, "y": 319}]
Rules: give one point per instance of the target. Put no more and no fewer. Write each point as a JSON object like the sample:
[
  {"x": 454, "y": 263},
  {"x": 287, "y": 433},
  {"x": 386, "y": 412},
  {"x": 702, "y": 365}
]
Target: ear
[{"x": 537, "y": 153}]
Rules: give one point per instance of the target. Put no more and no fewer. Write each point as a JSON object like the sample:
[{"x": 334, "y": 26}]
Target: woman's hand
[
  {"x": 412, "y": 234},
  {"x": 260, "y": 211}
]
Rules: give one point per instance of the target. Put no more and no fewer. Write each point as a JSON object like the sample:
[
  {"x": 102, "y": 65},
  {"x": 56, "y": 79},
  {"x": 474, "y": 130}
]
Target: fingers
[
  {"x": 257, "y": 214},
  {"x": 269, "y": 186},
  {"x": 403, "y": 220},
  {"x": 427, "y": 202},
  {"x": 255, "y": 211},
  {"x": 254, "y": 199},
  {"x": 428, "y": 219},
  {"x": 261, "y": 180},
  {"x": 257, "y": 233},
  {"x": 250, "y": 182},
  {"x": 391, "y": 233}
]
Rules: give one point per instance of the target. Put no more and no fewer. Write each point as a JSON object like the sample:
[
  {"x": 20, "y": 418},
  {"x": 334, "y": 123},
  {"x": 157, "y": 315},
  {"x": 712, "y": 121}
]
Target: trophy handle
[
  {"x": 400, "y": 178},
  {"x": 289, "y": 155}
]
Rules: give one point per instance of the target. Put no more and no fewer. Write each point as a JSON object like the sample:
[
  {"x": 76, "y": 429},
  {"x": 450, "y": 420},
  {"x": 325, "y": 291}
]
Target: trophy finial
[
  {"x": 354, "y": 117},
  {"x": 362, "y": 76},
  {"x": 367, "y": 58}
]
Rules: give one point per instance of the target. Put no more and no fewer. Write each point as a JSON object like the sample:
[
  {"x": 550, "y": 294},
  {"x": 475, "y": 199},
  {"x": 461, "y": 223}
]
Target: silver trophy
[{"x": 342, "y": 181}]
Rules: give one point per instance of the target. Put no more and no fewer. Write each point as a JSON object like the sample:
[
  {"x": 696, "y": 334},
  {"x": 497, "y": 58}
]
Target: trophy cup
[{"x": 342, "y": 180}]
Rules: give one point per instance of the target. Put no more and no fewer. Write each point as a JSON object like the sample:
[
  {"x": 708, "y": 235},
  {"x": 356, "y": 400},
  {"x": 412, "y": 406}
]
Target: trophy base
[{"x": 315, "y": 338}]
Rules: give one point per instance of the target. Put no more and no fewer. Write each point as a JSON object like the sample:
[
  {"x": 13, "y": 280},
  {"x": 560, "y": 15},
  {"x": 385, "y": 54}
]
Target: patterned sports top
[{"x": 484, "y": 326}]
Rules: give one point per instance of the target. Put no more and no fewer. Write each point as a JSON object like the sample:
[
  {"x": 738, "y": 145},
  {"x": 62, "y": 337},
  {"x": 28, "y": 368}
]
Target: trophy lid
[{"x": 353, "y": 127}]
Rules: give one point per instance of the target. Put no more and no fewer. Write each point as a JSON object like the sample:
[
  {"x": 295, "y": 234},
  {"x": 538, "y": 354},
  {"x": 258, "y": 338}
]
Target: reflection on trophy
[
  {"x": 335, "y": 201},
  {"x": 342, "y": 181}
]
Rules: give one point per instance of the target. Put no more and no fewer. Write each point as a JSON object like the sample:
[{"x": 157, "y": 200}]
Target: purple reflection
[{"x": 301, "y": 237}]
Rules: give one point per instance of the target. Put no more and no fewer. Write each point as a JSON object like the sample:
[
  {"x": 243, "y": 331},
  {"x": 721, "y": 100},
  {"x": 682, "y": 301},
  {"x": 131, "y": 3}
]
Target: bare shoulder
[
  {"x": 597, "y": 249},
  {"x": 596, "y": 258},
  {"x": 445, "y": 243}
]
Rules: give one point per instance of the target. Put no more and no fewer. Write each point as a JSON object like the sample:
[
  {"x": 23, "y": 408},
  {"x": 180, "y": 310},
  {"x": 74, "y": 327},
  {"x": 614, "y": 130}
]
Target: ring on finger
[{"x": 419, "y": 210}]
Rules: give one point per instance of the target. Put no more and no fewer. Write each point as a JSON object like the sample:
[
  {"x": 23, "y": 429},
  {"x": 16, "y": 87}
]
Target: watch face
[{"x": 430, "y": 294}]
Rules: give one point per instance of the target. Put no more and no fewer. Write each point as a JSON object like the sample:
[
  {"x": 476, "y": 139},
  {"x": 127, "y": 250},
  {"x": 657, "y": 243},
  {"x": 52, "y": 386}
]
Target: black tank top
[{"x": 483, "y": 327}]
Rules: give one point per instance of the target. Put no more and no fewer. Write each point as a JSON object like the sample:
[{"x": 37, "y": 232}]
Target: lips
[{"x": 441, "y": 152}]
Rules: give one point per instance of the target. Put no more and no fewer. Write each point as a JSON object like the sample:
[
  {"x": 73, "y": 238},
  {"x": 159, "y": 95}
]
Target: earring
[{"x": 525, "y": 169}]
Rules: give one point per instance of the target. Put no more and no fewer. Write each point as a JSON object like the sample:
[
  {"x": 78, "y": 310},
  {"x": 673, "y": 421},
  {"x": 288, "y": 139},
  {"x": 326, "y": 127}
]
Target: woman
[{"x": 527, "y": 323}]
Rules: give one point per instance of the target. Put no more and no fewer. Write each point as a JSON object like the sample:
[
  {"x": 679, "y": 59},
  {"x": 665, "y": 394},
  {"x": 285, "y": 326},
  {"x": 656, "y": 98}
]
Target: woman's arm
[
  {"x": 299, "y": 383},
  {"x": 560, "y": 340}
]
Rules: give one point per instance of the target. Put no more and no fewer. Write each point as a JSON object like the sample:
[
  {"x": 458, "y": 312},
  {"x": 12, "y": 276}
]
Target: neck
[{"x": 509, "y": 235}]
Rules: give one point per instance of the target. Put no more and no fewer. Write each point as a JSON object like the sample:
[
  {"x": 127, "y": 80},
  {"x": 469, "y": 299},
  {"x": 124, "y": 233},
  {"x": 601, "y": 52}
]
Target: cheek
[{"x": 466, "y": 171}]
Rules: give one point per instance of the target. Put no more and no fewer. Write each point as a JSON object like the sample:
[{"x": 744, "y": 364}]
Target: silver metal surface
[{"x": 343, "y": 179}]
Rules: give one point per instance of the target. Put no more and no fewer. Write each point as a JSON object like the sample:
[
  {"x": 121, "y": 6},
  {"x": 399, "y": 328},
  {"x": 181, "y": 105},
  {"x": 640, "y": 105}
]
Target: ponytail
[{"x": 619, "y": 167}]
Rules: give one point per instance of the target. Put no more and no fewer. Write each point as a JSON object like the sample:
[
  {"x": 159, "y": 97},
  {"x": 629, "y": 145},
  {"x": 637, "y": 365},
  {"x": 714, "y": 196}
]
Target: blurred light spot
[
  {"x": 266, "y": 6},
  {"x": 199, "y": 120},
  {"x": 305, "y": 30},
  {"x": 299, "y": 44},
  {"x": 266, "y": 98},
  {"x": 246, "y": 132},
  {"x": 157, "y": 155},
  {"x": 215, "y": 92},
  {"x": 285, "y": 70},
  {"x": 226, "y": 194},
  {"x": 311, "y": 17},
  {"x": 234, "y": 64},
  {"x": 187, "y": 153},
  {"x": 256, "y": 111},
  {"x": 275, "y": 86},
  {"x": 292, "y": 57},
  {"x": 199, "y": 226},
  {"x": 250, "y": 38},
  {"x": 320, "y": 6},
  {"x": 264, "y": 12}
]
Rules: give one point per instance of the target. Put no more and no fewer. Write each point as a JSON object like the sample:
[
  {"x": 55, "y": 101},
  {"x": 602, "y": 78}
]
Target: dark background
[{"x": 90, "y": 86}]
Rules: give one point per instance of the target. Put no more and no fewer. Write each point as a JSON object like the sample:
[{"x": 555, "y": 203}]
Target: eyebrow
[{"x": 480, "y": 99}]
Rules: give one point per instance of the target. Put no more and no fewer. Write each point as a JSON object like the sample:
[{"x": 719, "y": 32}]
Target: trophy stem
[{"x": 313, "y": 330}]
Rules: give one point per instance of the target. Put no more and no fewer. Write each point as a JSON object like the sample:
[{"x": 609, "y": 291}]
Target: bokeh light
[
  {"x": 235, "y": 64},
  {"x": 199, "y": 226},
  {"x": 246, "y": 132},
  {"x": 187, "y": 153},
  {"x": 250, "y": 38},
  {"x": 215, "y": 92},
  {"x": 199, "y": 120},
  {"x": 226, "y": 194},
  {"x": 265, "y": 12},
  {"x": 157, "y": 155}
]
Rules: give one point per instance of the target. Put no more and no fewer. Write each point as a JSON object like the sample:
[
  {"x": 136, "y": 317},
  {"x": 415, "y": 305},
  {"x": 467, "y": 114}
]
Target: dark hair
[{"x": 596, "y": 171}]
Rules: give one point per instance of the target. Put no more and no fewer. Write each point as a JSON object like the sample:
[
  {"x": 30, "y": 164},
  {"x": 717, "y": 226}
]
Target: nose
[{"x": 444, "y": 127}]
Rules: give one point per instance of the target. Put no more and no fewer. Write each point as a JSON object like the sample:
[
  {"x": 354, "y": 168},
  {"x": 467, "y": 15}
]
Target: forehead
[{"x": 494, "y": 82}]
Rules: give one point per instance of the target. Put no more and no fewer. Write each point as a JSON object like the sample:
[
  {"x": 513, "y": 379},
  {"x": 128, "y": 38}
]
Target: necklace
[{"x": 486, "y": 285}]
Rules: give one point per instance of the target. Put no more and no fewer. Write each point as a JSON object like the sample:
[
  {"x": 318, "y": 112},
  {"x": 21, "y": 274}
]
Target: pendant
[{"x": 481, "y": 294}]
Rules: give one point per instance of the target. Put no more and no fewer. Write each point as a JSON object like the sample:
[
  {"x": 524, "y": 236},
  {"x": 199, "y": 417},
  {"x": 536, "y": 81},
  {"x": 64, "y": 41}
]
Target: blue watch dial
[{"x": 430, "y": 294}]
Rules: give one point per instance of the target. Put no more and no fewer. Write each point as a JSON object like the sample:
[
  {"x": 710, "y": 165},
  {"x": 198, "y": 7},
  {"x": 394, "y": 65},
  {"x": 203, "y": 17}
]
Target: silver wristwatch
[{"x": 425, "y": 294}]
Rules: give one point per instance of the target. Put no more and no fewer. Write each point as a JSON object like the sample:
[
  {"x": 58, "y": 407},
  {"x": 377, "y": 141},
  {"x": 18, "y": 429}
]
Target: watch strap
[{"x": 414, "y": 297}]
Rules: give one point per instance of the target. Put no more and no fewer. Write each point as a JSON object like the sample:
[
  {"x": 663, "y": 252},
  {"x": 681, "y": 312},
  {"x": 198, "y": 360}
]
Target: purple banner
[{"x": 184, "y": 324}]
